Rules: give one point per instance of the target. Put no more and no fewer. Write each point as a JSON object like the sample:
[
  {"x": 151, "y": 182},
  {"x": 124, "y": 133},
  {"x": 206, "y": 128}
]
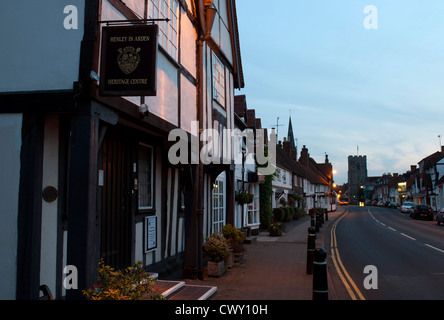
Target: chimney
[
  {"x": 286, "y": 146},
  {"x": 304, "y": 156},
  {"x": 412, "y": 168},
  {"x": 294, "y": 154}
]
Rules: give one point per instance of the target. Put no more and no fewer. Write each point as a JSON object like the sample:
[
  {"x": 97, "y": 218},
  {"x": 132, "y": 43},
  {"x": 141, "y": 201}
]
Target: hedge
[{"x": 287, "y": 214}]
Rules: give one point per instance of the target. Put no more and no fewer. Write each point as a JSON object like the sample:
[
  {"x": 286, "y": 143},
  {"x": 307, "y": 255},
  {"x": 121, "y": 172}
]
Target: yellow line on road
[{"x": 343, "y": 274}]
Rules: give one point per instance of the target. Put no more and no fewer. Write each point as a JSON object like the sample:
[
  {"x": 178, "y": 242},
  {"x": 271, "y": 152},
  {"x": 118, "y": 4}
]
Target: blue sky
[{"x": 347, "y": 86}]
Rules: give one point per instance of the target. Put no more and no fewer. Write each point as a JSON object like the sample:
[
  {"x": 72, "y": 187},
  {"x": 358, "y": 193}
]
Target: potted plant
[
  {"x": 217, "y": 250},
  {"x": 244, "y": 197},
  {"x": 275, "y": 229},
  {"x": 235, "y": 239},
  {"x": 238, "y": 252},
  {"x": 133, "y": 283}
]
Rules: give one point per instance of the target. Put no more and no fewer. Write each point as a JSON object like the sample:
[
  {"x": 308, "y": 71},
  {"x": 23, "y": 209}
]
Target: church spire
[{"x": 290, "y": 136}]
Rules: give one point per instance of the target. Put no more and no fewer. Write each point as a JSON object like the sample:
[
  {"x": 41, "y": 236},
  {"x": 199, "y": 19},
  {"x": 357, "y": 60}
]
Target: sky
[{"x": 354, "y": 83}]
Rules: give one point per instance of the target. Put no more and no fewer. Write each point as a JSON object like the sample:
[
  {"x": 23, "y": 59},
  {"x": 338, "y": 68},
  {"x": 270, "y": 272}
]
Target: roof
[
  {"x": 431, "y": 159},
  {"x": 240, "y": 105},
  {"x": 311, "y": 172},
  {"x": 239, "y": 80}
]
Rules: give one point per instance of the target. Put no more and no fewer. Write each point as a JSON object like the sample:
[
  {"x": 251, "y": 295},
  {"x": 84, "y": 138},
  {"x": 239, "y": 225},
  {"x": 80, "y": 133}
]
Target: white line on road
[
  {"x": 392, "y": 229},
  {"x": 408, "y": 237},
  {"x": 434, "y": 248}
]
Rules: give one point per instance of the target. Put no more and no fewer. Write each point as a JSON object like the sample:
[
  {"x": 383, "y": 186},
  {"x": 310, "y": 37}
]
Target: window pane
[{"x": 145, "y": 177}]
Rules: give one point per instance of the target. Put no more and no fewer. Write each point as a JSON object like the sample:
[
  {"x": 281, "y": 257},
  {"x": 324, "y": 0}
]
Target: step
[
  {"x": 168, "y": 287},
  {"x": 193, "y": 292},
  {"x": 250, "y": 240}
]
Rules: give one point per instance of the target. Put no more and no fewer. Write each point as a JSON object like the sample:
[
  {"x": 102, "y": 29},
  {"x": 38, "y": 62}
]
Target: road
[{"x": 408, "y": 255}]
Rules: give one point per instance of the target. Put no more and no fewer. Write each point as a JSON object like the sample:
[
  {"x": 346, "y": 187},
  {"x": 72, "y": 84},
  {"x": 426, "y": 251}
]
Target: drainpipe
[{"x": 210, "y": 14}]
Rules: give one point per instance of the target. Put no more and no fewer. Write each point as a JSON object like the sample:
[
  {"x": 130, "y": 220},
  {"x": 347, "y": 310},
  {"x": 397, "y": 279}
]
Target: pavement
[{"x": 274, "y": 268}]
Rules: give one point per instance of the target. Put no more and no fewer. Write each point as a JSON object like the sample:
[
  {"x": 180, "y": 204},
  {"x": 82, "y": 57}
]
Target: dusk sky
[{"x": 346, "y": 85}]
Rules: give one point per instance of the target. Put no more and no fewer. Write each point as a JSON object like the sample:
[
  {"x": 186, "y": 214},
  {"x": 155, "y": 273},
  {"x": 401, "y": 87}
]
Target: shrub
[
  {"x": 275, "y": 228},
  {"x": 278, "y": 214},
  {"x": 133, "y": 283},
  {"x": 231, "y": 232},
  {"x": 288, "y": 214},
  {"x": 294, "y": 215},
  {"x": 217, "y": 247},
  {"x": 244, "y": 197}
]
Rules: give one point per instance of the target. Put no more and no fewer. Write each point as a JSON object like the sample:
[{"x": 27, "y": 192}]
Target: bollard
[
  {"x": 318, "y": 224},
  {"x": 326, "y": 215},
  {"x": 320, "y": 284},
  {"x": 313, "y": 222},
  {"x": 311, "y": 246}
]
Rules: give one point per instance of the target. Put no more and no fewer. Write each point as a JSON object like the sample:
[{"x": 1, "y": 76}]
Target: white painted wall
[
  {"x": 39, "y": 53},
  {"x": 48, "y": 257},
  {"x": 10, "y": 141}
]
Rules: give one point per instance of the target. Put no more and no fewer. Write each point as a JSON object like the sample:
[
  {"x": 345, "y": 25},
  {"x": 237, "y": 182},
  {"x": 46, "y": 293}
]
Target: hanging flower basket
[{"x": 244, "y": 197}]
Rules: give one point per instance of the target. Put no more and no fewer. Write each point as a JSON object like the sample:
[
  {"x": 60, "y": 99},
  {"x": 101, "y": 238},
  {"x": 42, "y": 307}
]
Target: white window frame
[
  {"x": 219, "y": 78},
  {"x": 253, "y": 218},
  {"x": 218, "y": 212},
  {"x": 168, "y": 31}
]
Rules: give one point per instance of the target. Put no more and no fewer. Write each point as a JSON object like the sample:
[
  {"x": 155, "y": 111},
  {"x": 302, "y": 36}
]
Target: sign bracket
[{"x": 138, "y": 21}]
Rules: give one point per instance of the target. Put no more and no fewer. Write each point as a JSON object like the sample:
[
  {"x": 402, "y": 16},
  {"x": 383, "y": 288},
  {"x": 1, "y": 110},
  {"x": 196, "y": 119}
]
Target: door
[{"x": 116, "y": 216}]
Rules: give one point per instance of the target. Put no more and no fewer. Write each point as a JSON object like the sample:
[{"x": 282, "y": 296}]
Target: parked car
[
  {"x": 407, "y": 207},
  {"x": 422, "y": 211},
  {"x": 392, "y": 205},
  {"x": 440, "y": 217}
]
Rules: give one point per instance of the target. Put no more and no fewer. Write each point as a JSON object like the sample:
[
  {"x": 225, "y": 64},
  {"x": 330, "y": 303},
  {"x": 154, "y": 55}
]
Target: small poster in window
[{"x": 150, "y": 233}]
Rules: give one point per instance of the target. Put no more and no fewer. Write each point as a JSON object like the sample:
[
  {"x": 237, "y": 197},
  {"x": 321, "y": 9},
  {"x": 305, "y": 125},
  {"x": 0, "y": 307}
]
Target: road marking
[
  {"x": 343, "y": 274},
  {"x": 434, "y": 248},
  {"x": 408, "y": 236},
  {"x": 393, "y": 229}
]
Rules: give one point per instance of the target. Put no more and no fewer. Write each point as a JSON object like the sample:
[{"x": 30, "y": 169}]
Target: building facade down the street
[
  {"x": 357, "y": 176},
  {"x": 246, "y": 214},
  {"x": 88, "y": 99}
]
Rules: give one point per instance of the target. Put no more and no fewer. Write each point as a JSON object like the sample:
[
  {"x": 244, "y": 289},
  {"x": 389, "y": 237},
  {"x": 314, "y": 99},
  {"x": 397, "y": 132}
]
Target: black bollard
[
  {"x": 318, "y": 223},
  {"x": 326, "y": 215},
  {"x": 313, "y": 221},
  {"x": 311, "y": 246},
  {"x": 320, "y": 284}
]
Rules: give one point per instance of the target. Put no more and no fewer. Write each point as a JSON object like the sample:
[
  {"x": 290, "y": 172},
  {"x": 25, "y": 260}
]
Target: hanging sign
[{"x": 129, "y": 60}]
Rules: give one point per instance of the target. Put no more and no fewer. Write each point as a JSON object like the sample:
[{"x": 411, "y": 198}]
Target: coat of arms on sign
[{"x": 128, "y": 59}]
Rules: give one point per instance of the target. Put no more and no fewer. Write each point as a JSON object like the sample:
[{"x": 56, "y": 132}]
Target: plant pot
[
  {"x": 238, "y": 257},
  {"x": 216, "y": 269},
  {"x": 276, "y": 232},
  {"x": 230, "y": 259}
]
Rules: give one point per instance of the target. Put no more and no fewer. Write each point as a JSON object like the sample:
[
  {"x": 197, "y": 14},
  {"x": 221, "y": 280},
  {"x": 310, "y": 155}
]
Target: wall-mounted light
[
  {"x": 143, "y": 109},
  {"x": 210, "y": 15}
]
